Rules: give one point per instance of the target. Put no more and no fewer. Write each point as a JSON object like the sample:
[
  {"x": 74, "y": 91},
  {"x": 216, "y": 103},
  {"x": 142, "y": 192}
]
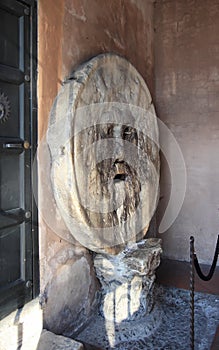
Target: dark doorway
[{"x": 19, "y": 278}]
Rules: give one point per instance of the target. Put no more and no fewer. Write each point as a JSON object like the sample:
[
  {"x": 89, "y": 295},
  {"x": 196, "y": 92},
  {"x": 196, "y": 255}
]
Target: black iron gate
[{"x": 18, "y": 224}]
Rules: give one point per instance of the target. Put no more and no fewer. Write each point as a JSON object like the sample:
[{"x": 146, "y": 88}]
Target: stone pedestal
[{"x": 127, "y": 280}]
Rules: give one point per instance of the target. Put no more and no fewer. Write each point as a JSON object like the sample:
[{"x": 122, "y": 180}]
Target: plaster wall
[
  {"x": 99, "y": 26},
  {"x": 69, "y": 33},
  {"x": 187, "y": 100}
]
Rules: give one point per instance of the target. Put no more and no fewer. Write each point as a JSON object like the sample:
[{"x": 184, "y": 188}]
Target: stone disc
[{"x": 103, "y": 139}]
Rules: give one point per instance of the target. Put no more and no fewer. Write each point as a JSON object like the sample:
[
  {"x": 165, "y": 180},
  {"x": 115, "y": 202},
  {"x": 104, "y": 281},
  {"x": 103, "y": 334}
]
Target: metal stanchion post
[{"x": 192, "y": 285}]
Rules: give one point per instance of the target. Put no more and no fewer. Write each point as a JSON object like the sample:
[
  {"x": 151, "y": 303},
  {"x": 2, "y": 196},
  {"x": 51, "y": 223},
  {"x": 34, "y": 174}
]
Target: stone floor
[
  {"x": 166, "y": 328},
  {"x": 22, "y": 328},
  {"x": 169, "y": 326}
]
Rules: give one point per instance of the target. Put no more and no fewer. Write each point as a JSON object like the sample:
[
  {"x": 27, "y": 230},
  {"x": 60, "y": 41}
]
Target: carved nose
[
  {"x": 120, "y": 170},
  {"x": 119, "y": 166}
]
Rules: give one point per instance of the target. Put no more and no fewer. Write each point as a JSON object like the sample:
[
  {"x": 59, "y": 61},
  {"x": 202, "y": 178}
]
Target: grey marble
[{"x": 127, "y": 280}]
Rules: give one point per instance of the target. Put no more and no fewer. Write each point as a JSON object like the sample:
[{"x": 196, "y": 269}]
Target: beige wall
[
  {"x": 97, "y": 26},
  {"x": 50, "y": 26},
  {"x": 70, "y": 32},
  {"x": 187, "y": 100}
]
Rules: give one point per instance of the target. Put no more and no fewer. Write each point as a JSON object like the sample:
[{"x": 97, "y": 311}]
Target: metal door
[{"x": 17, "y": 112}]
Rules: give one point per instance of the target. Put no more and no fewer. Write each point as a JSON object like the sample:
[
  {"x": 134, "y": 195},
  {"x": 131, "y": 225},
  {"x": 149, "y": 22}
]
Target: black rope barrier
[
  {"x": 194, "y": 265},
  {"x": 213, "y": 266}
]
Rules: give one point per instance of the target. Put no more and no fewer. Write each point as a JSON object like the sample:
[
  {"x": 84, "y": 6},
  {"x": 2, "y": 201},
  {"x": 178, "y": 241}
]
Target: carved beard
[
  {"x": 112, "y": 181},
  {"x": 121, "y": 182}
]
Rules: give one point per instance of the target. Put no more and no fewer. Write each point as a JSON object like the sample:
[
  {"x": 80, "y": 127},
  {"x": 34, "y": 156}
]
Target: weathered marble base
[{"x": 127, "y": 280}]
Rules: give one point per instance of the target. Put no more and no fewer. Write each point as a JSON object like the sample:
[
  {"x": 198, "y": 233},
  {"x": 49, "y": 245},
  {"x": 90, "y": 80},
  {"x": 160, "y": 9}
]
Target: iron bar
[{"x": 192, "y": 287}]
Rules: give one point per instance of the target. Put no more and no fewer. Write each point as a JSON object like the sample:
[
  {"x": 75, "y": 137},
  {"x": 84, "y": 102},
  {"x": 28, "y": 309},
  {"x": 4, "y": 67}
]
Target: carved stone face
[
  {"x": 105, "y": 158},
  {"x": 112, "y": 184}
]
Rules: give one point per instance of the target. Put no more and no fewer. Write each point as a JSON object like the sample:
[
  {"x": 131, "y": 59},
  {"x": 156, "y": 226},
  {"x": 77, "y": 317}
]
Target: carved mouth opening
[{"x": 119, "y": 177}]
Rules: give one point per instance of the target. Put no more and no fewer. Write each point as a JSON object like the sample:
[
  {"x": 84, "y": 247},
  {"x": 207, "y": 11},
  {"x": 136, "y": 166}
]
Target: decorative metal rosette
[{"x": 5, "y": 107}]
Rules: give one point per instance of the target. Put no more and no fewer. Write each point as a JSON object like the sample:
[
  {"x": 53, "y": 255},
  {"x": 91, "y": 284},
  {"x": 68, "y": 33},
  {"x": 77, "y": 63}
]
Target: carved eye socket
[
  {"x": 105, "y": 131},
  {"x": 130, "y": 134},
  {"x": 128, "y": 130}
]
